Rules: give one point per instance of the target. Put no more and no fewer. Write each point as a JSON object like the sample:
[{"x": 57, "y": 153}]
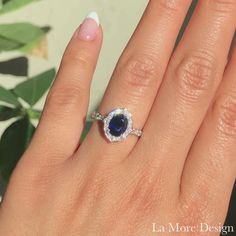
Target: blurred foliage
[
  {"x": 11, "y": 5},
  {"x": 13, "y": 143},
  {"x": 20, "y": 36},
  {"x": 33, "y": 89},
  {"x": 17, "y": 104},
  {"x": 20, "y": 65}
]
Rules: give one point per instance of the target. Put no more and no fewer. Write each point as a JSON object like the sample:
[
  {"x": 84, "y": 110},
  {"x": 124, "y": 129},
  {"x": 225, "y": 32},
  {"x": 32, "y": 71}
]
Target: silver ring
[{"x": 118, "y": 124}]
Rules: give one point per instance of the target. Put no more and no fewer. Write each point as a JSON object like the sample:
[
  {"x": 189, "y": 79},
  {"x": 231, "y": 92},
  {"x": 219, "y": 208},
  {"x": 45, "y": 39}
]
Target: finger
[
  {"x": 193, "y": 75},
  {"x": 210, "y": 169},
  {"x": 63, "y": 118},
  {"x": 139, "y": 72}
]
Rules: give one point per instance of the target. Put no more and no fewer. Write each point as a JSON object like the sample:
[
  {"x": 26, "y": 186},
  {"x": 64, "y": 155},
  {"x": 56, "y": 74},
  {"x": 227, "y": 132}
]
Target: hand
[{"x": 183, "y": 167}]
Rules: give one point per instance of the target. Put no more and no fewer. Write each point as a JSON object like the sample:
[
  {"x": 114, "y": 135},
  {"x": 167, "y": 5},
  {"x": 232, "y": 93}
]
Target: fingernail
[{"x": 89, "y": 28}]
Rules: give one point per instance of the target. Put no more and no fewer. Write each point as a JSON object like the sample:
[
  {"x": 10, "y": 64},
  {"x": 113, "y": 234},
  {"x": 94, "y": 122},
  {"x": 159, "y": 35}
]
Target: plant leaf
[
  {"x": 87, "y": 127},
  {"x": 7, "y": 113},
  {"x": 5, "y": 1},
  {"x": 8, "y": 97},
  {"x": 2, "y": 187},
  {"x": 18, "y": 35},
  {"x": 13, "y": 143},
  {"x": 33, "y": 89},
  {"x": 14, "y": 4},
  {"x": 16, "y": 66},
  {"x": 7, "y": 45},
  {"x": 38, "y": 48},
  {"x": 20, "y": 32}
]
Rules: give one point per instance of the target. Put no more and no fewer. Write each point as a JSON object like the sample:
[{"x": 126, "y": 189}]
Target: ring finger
[{"x": 138, "y": 74}]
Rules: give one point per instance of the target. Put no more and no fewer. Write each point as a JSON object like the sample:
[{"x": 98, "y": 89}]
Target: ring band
[{"x": 118, "y": 124}]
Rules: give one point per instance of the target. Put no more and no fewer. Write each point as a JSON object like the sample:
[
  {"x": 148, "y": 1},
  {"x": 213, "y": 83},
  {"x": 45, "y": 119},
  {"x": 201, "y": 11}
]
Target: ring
[{"x": 118, "y": 124}]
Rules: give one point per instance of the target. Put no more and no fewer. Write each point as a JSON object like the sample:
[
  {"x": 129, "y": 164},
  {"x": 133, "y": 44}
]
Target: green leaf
[
  {"x": 13, "y": 5},
  {"x": 16, "y": 66},
  {"x": 18, "y": 35},
  {"x": 13, "y": 143},
  {"x": 7, "y": 113},
  {"x": 20, "y": 32},
  {"x": 87, "y": 127},
  {"x": 7, "y": 45},
  {"x": 2, "y": 186},
  {"x": 8, "y": 97},
  {"x": 33, "y": 89},
  {"x": 34, "y": 44},
  {"x": 30, "y": 46}
]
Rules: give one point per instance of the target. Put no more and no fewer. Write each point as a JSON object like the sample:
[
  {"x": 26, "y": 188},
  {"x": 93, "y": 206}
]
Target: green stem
[{"x": 34, "y": 114}]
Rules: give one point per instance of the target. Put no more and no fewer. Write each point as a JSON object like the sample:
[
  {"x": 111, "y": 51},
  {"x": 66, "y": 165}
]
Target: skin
[{"x": 181, "y": 170}]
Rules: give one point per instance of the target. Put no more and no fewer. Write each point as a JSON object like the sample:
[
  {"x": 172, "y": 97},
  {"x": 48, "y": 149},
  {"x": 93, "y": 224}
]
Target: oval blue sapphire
[{"x": 118, "y": 125}]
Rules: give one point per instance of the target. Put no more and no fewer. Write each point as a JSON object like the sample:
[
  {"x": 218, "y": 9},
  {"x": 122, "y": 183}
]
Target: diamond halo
[
  {"x": 107, "y": 120},
  {"x": 117, "y": 124}
]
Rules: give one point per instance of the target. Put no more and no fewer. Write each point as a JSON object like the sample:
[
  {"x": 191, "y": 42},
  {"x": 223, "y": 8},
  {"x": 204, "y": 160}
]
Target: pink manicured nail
[{"x": 89, "y": 28}]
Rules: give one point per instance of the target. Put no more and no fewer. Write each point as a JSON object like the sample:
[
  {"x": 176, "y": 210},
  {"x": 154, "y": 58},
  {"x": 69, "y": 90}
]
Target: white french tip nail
[{"x": 93, "y": 15}]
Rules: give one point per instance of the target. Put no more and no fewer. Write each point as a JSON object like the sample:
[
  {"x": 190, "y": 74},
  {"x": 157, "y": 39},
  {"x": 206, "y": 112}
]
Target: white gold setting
[{"x": 107, "y": 119}]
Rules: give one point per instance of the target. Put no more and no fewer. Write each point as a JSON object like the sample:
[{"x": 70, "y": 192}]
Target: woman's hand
[{"x": 183, "y": 167}]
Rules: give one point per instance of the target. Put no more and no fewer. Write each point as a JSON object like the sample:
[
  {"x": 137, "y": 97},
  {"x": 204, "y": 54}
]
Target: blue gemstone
[{"x": 118, "y": 125}]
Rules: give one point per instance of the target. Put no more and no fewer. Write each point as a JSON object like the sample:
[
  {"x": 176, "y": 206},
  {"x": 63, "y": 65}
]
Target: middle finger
[{"x": 192, "y": 77}]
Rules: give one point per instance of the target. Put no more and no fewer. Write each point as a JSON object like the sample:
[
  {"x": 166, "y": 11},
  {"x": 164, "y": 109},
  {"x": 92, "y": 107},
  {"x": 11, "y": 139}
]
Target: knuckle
[
  {"x": 194, "y": 209},
  {"x": 138, "y": 72},
  {"x": 224, "y": 109},
  {"x": 80, "y": 59},
  {"x": 223, "y": 6},
  {"x": 96, "y": 184},
  {"x": 194, "y": 76},
  {"x": 146, "y": 190},
  {"x": 31, "y": 176},
  {"x": 65, "y": 97},
  {"x": 170, "y": 5},
  {"x": 142, "y": 197}
]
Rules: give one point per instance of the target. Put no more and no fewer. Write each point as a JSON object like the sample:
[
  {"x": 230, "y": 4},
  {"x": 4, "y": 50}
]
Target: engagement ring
[{"x": 118, "y": 124}]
